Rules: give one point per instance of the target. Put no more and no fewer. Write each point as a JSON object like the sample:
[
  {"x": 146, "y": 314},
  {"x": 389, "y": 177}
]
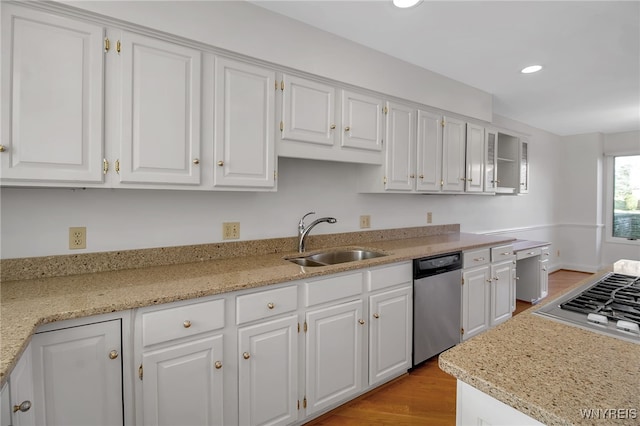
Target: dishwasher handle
[{"x": 435, "y": 265}]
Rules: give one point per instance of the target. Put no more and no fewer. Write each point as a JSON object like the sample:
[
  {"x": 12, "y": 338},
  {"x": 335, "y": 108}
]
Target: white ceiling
[{"x": 590, "y": 52}]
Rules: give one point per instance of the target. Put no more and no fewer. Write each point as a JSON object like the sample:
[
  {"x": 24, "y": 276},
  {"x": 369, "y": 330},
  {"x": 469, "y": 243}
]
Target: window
[{"x": 626, "y": 197}]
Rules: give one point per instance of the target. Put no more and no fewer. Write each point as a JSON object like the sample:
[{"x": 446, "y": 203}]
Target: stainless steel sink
[{"x": 334, "y": 257}]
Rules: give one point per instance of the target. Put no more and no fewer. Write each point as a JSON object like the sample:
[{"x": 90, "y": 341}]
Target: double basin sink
[{"x": 333, "y": 257}]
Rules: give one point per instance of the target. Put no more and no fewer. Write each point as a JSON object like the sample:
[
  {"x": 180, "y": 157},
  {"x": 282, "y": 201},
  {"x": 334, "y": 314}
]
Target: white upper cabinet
[
  {"x": 400, "y": 160},
  {"x": 361, "y": 121},
  {"x": 244, "y": 136},
  {"x": 52, "y": 98},
  {"x": 512, "y": 164},
  {"x": 160, "y": 111},
  {"x": 453, "y": 153},
  {"x": 308, "y": 111},
  {"x": 475, "y": 162},
  {"x": 429, "y": 151}
]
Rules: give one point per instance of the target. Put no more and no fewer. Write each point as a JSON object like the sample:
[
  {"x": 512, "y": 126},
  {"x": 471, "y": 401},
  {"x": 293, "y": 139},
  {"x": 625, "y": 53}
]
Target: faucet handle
[{"x": 301, "y": 223}]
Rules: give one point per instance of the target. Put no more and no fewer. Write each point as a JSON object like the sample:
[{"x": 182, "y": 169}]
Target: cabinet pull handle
[
  {"x": 107, "y": 44},
  {"x": 3, "y": 148},
  {"x": 532, "y": 253},
  {"x": 506, "y": 253},
  {"x": 376, "y": 315},
  {"x": 186, "y": 324},
  {"x": 113, "y": 354},
  {"x": 361, "y": 322},
  {"x": 118, "y": 46},
  {"x": 478, "y": 259},
  {"x": 332, "y": 127},
  {"x": 220, "y": 163},
  {"x": 246, "y": 355},
  {"x": 496, "y": 278},
  {"x": 270, "y": 305},
  {"x": 196, "y": 161},
  {"x": 24, "y": 407},
  {"x": 218, "y": 365},
  {"x": 346, "y": 129}
]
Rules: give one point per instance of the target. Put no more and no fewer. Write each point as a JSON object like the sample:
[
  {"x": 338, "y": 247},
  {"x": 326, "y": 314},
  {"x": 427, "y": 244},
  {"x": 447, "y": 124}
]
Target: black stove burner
[{"x": 616, "y": 296}]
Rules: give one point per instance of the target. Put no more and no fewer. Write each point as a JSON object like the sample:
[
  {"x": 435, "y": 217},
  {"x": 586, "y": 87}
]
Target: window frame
[{"x": 609, "y": 174}]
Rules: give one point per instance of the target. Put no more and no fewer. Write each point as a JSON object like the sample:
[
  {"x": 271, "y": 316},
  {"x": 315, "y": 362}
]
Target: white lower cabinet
[
  {"x": 488, "y": 290},
  {"x": 334, "y": 354},
  {"x": 5, "y": 406},
  {"x": 21, "y": 393},
  {"x": 533, "y": 276},
  {"x": 77, "y": 375},
  {"x": 180, "y": 356},
  {"x": 182, "y": 383}
]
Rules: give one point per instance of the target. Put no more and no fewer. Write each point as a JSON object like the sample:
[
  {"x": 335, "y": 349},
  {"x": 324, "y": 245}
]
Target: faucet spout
[{"x": 303, "y": 230}]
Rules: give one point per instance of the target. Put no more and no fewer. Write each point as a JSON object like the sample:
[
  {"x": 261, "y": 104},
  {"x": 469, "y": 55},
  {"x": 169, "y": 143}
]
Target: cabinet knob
[
  {"x": 220, "y": 163},
  {"x": 186, "y": 324},
  {"x": 3, "y": 148},
  {"x": 332, "y": 127},
  {"x": 421, "y": 176},
  {"x": 218, "y": 365},
  {"x": 346, "y": 129},
  {"x": 196, "y": 161},
  {"x": 376, "y": 315},
  {"x": 113, "y": 354},
  {"x": 246, "y": 355},
  {"x": 489, "y": 280},
  {"x": 412, "y": 176},
  {"x": 24, "y": 407},
  {"x": 361, "y": 322},
  {"x": 270, "y": 305}
]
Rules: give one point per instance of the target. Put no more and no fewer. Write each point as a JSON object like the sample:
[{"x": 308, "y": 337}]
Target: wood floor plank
[{"x": 426, "y": 395}]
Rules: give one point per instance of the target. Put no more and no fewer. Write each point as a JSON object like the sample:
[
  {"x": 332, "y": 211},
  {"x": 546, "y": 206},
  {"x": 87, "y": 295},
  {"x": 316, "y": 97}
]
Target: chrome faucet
[{"x": 303, "y": 231}]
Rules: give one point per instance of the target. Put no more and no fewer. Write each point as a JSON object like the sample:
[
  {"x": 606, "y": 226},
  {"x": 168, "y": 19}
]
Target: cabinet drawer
[
  {"x": 528, "y": 253},
  {"x": 334, "y": 288},
  {"x": 476, "y": 258},
  {"x": 544, "y": 253},
  {"x": 265, "y": 304},
  {"x": 501, "y": 253},
  {"x": 182, "y": 321},
  {"x": 389, "y": 276}
]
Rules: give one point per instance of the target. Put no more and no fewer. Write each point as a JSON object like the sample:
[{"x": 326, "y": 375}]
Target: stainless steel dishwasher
[{"x": 437, "y": 293}]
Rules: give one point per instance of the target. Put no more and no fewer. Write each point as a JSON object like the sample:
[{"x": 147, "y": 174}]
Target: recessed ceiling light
[
  {"x": 531, "y": 68},
  {"x": 403, "y": 4}
]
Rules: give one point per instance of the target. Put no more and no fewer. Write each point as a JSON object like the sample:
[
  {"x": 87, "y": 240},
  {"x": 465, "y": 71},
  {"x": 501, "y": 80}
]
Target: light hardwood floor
[{"x": 424, "y": 396}]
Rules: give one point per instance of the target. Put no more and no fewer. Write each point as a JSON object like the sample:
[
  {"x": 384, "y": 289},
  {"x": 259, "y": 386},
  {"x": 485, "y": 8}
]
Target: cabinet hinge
[
  {"x": 140, "y": 372},
  {"x": 275, "y": 174},
  {"x": 461, "y": 330},
  {"x": 305, "y": 327},
  {"x": 298, "y": 404},
  {"x": 441, "y": 182},
  {"x": 385, "y": 110},
  {"x": 304, "y": 402},
  {"x": 384, "y": 180},
  {"x": 281, "y": 126},
  {"x": 275, "y": 83},
  {"x": 107, "y": 44},
  {"x": 463, "y": 281},
  {"x": 105, "y": 166},
  {"x": 116, "y": 166},
  {"x": 442, "y": 122},
  {"x": 282, "y": 85},
  {"x": 298, "y": 332}
]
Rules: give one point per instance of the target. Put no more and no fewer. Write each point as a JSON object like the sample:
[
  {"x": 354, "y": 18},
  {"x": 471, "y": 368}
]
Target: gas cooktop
[{"x": 609, "y": 305}]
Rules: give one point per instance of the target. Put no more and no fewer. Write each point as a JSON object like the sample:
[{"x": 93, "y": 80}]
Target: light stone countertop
[
  {"x": 28, "y": 303},
  {"x": 549, "y": 370}
]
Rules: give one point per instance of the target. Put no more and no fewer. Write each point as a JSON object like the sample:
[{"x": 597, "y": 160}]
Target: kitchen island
[{"x": 555, "y": 373}]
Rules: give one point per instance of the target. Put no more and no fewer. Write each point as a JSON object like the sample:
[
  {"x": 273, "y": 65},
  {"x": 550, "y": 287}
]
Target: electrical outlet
[
  {"x": 429, "y": 217},
  {"x": 230, "y": 230},
  {"x": 365, "y": 221},
  {"x": 77, "y": 238}
]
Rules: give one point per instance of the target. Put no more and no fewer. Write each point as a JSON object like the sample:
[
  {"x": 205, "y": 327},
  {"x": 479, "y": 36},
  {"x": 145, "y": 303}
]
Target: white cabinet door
[
  {"x": 400, "y": 168},
  {"x": 361, "y": 121},
  {"x": 333, "y": 354},
  {"x": 78, "y": 375},
  {"x": 308, "y": 111},
  {"x": 453, "y": 152},
  {"x": 475, "y": 301},
  {"x": 524, "y": 167},
  {"x": 429, "y": 151},
  {"x": 5, "y": 406},
  {"x": 182, "y": 384},
  {"x": 52, "y": 98},
  {"x": 544, "y": 277},
  {"x": 390, "y": 333},
  {"x": 491, "y": 163},
  {"x": 22, "y": 391},
  {"x": 160, "y": 111},
  {"x": 501, "y": 292},
  {"x": 244, "y": 145},
  {"x": 475, "y": 161},
  {"x": 267, "y": 357}
]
